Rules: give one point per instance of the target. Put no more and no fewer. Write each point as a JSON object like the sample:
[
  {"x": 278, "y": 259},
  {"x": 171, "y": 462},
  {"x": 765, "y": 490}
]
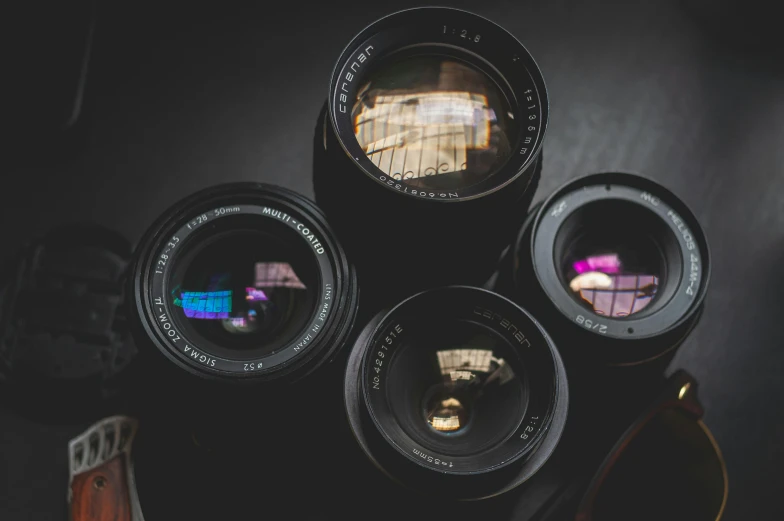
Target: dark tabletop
[{"x": 688, "y": 93}]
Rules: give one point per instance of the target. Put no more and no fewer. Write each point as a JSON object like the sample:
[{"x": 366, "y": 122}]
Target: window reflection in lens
[
  {"x": 453, "y": 387},
  {"x": 433, "y": 122},
  {"x": 614, "y": 283},
  {"x": 244, "y": 291},
  {"x": 601, "y": 282},
  {"x": 219, "y": 304},
  {"x": 465, "y": 375}
]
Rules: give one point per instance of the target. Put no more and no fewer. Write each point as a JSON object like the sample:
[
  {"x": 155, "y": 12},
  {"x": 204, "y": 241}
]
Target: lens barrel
[
  {"x": 243, "y": 282},
  {"x": 457, "y": 393},
  {"x": 618, "y": 266},
  {"x": 428, "y": 151}
]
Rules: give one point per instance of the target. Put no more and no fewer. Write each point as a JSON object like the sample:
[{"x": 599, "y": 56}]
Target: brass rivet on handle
[{"x": 100, "y": 482}]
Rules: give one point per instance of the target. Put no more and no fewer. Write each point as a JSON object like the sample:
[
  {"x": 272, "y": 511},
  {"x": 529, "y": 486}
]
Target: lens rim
[
  {"x": 503, "y": 58},
  {"x": 299, "y": 357},
  {"x": 426, "y": 476},
  {"x": 534, "y": 248}
]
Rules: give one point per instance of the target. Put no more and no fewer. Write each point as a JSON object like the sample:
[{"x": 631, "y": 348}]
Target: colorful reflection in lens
[
  {"x": 205, "y": 304},
  {"x": 255, "y": 295},
  {"x": 611, "y": 292},
  {"x": 603, "y": 263},
  {"x": 217, "y": 304}
]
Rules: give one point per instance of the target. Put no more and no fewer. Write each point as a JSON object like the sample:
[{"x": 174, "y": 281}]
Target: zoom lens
[
  {"x": 456, "y": 392},
  {"x": 245, "y": 282},
  {"x": 615, "y": 262},
  {"x": 430, "y": 141}
]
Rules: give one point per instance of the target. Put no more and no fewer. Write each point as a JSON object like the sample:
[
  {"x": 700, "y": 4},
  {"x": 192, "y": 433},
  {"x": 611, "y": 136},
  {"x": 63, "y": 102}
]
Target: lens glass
[
  {"x": 245, "y": 291},
  {"x": 434, "y": 121},
  {"x": 456, "y": 387},
  {"x": 670, "y": 470},
  {"x": 610, "y": 259}
]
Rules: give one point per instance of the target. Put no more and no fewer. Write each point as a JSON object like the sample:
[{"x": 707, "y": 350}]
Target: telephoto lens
[
  {"x": 617, "y": 266},
  {"x": 428, "y": 151},
  {"x": 238, "y": 286},
  {"x": 457, "y": 393}
]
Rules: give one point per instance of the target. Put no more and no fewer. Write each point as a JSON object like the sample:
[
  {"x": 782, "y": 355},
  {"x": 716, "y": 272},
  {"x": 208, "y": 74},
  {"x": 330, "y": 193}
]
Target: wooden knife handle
[
  {"x": 102, "y": 487},
  {"x": 102, "y": 494}
]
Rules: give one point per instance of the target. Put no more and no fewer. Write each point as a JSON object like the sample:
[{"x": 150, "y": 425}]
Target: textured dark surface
[{"x": 179, "y": 100}]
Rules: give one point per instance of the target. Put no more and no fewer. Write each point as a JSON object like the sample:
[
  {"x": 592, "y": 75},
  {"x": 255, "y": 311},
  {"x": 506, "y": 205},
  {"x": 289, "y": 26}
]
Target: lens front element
[
  {"x": 457, "y": 381},
  {"x": 614, "y": 267},
  {"x": 433, "y": 122},
  {"x": 245, "y": 290},
  {"x": 453, "y": 386}
]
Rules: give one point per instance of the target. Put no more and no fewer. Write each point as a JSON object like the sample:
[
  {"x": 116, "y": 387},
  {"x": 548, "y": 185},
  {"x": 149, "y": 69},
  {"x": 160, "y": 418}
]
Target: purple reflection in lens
[
  {"x": 255, "y": 295},
  {"x": 604, "y": 263}
]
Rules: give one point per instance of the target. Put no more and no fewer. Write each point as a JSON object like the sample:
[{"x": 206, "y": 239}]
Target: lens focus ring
[
  {"x": 244, "y": 281},
  {"x": 617, "y": 258},
  {"x": 453, "y": 384}
]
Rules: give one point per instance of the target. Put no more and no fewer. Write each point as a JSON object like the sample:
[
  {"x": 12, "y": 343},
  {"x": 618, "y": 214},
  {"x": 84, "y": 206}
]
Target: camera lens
[
  {"x": 614, "y": 261},
  {"x": 244, "y": 281},
  {"x": 456, "y": 392},
  {"x": 432, "y": 136}
]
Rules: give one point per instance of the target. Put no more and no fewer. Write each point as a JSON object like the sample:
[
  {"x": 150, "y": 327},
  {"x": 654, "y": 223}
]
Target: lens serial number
[{"x": 382, "y": 353}]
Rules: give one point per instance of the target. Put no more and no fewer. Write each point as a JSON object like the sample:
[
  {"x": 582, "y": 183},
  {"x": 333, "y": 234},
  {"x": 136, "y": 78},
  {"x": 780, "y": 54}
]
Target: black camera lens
[
  {"x": 430, "y": 141},
  {"x": 614, "y": 261},
  {"x": 456, "y": 392},
  {"x": 244, "y": 281}
]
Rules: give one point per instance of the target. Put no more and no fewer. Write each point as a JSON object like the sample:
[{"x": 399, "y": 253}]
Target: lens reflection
[
  {"x": 453, "y": 389},
  {"x": 613, "y": 276},
  {"x": 434, "y": 122},
  {"x": 243, "y": 291},
  {"x": 465, "y": 373}
]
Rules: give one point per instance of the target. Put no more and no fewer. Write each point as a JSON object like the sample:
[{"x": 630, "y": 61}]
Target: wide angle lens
[
  {"x": 614, "y": 261},
  {"x": 244, "y": 282},
  {"x": 456, "y": 392},
  {"x": 428, "y": 151}
]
